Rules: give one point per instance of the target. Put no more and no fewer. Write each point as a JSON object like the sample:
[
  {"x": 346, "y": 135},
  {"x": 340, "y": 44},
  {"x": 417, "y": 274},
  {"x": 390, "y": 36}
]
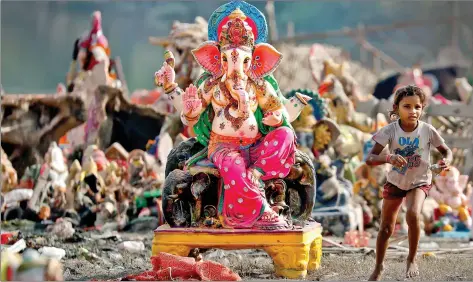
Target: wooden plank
[
  {"x": 379, "y": 55},
  {"x": 468, "y": 167},
  {"x": 121, "y": 75},
  {"x": 367, "y": 29},
  {"x": 459, "y": 110},
  {"x": 458, "y": 142}
]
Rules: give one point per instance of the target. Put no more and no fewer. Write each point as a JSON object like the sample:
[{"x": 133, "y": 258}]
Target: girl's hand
[
  {"x": 397, "y": 160},
  {"x": 444, "y": 164}
]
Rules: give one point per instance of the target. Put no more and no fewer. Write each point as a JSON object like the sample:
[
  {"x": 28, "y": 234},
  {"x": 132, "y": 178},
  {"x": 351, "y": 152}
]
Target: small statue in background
[
  {"x": 137, "y": 167},
  {"x": 9, "y": 175},
  {"x": 93, "y": 184},
  {"x": 31, "y": 175},
  {"x": 91, "y": 50},
  {"x": 369, "y": 187},
  {"x": 341, "y": 72},
  {"x": 331, "y": 191},
  {"x": 464, "y": 89},
  {"x": 325, "y": 132},
  {"x": 112, "y": 177},
  {"x": 30, "y": 266},
  {"x": 303, "y": 126},
  {"x": 343, "y": 109},
  {"x": 58, "y": 173},
  {"x": 93, "y": 152},
  {"x": 416, "y": 77},
  {"x": 453, "y": 204},
  {"x": 73, "y": 182},
  {"x": 44, "y": 213}
]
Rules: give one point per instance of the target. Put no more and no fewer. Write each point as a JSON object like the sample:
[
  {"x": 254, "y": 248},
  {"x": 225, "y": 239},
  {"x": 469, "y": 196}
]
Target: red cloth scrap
[{"x": 167, "y": 267}]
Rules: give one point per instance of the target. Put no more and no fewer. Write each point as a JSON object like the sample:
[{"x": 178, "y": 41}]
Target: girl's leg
[
  {"x": 414, "y": 201},
  {"x": 388, "y": 220}
]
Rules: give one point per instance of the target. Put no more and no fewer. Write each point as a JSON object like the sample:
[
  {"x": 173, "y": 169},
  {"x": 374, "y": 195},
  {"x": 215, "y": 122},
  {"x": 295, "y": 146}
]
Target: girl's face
[{"x": 410, "y": 109}]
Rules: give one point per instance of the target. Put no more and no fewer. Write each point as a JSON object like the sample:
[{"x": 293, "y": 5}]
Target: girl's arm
[
  {"x": 447, "y": 156},
  {"x": 374, "y": 157}
]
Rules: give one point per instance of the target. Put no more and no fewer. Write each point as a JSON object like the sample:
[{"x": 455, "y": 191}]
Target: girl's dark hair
[{"x": 401, "y": 93}]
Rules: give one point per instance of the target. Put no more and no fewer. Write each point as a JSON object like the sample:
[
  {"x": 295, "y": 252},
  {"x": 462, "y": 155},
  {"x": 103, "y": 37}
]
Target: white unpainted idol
[{"x": 164, "y": 148}]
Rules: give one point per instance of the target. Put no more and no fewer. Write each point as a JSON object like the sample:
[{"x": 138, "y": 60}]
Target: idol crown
[
  {"x": 236, "y": 32},
  {"x": 237, "y": 14}
]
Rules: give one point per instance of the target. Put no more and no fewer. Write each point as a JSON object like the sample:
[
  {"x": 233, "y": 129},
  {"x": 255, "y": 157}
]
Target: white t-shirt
[{"x": 415, "y": 147}]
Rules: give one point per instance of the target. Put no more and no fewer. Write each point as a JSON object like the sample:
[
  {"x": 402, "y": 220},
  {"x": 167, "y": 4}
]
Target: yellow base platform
[{"x": 293, "y": 251}]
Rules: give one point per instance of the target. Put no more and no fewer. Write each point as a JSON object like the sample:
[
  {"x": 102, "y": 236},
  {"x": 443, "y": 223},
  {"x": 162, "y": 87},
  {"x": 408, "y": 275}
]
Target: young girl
[{"x": 410, "y": 141}]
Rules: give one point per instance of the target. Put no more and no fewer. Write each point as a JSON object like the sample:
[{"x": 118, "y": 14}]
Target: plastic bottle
[{"x": 435, "y": 168}]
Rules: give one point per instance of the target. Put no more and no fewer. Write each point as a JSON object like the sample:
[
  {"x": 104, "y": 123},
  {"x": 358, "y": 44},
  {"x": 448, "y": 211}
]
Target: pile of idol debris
[
  {"x": 91, "y": 188},
  {"x": 301, "y": 67}
]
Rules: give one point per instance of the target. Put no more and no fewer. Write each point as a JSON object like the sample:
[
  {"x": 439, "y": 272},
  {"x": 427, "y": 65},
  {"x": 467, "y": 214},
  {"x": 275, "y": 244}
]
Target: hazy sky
[{"x": 37, "y": 36}]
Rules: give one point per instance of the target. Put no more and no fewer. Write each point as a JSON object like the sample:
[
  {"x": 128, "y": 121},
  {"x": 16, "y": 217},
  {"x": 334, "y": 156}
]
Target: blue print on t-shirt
[{"x": 408, "y": 152}]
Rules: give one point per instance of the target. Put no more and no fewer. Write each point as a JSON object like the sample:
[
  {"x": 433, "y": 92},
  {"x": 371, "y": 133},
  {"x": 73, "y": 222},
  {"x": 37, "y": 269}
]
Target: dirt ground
[
  {"x": 91, "y": 255},
  {"x": 256, "y": 265}
]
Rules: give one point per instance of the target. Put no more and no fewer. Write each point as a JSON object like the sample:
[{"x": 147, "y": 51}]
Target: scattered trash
[
  {"x": 17, "y": 195},
  {"x": 76, "y": 237},
  {"x": 333, "y": 243},
  {"x": 132, "y": 246},
  {"x": 6, "y": 237},
  {"x": 106, "y": 235},
  {"x": 429, "y": 246},
  {"x": 52, "y": 252},
  {"x": 329, "y": 275},
  {"x": 399, "y": 240},
  {"x": 465, "y": 245},
  {"x": 88, "y": 255},
  {"x": 357, "y": 238},
  {"x": 144, "y": 223},
  {"x": 19, "y": 246},
  {"x": 429, "y": 255},
  {"x": 215, "y": 255},
  {"x": 62, "y": 229},
  {"x": 115, "y": 256}
]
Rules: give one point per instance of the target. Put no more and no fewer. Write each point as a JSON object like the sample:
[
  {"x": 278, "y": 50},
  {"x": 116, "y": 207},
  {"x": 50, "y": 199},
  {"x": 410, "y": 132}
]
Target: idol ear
[
  {"x": 265, "y": 61},
  {"x": 207, "y": 56}
]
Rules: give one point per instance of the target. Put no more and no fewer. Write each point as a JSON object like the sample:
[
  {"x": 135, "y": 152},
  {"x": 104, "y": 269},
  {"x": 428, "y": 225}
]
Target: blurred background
[{"x": 37, "y": 36}]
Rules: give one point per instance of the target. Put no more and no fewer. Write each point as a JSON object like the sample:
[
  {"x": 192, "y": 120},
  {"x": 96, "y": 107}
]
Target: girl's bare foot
[
  {"x": 377, "y": 272},
  {"x": 412, "y": 269}
]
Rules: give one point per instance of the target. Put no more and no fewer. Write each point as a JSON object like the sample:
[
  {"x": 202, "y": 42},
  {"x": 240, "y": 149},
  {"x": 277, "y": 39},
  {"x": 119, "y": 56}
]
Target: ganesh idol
[
  {"x": 237, "y": 112},
  {"x": 90, "y": 50}
]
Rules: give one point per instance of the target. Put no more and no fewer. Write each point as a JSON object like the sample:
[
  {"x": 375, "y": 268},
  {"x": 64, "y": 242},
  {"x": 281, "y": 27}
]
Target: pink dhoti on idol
[{"x": 242, "y": 202}]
